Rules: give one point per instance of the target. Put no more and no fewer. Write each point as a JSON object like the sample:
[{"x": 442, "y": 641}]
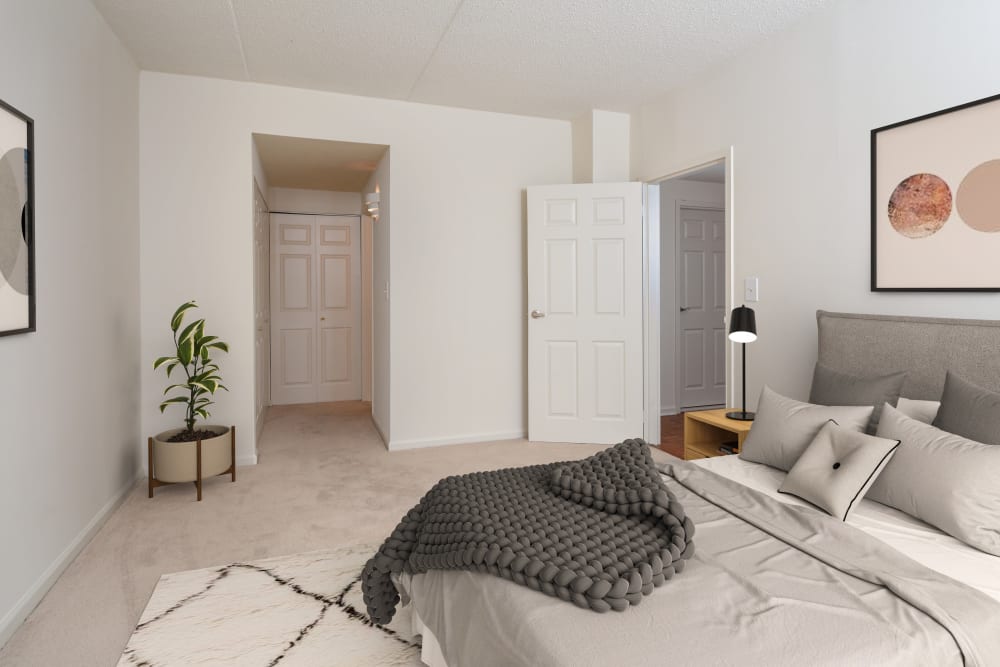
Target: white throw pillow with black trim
[{"x": 838, "y": 468}]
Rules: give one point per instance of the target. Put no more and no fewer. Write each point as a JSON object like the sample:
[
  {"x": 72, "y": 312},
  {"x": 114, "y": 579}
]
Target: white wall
[
  {"x": 381, "y": 389},
  {"x": 674, "y": 193},
  {"x": 259, "y": 175},
  {"x": 69, "y": 393},
  {"x": 296, "y": 200},
  {"x": 601, "y": 147},
  {"x": 611, "y": 146},
  {"x": 583, "y": 148},
  {"x": 798, "y": 111},
  {"x": 456, "y": 249}
]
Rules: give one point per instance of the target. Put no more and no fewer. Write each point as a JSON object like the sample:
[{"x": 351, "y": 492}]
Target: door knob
[
  {"x": 537, "y": 313},
  {"x": 322, "y": 319},
  {"x": 685, "y": 308}
]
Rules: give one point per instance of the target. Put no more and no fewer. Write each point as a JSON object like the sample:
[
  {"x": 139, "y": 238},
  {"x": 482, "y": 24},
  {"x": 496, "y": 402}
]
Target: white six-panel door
[
  {"x": 315, "y": 308},
  {"x": 585, "y": 354},
  {"x": 701, "y": 341}
]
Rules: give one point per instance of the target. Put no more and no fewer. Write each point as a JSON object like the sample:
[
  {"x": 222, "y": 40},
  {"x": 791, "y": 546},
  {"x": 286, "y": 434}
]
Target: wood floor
[{"x": 672, "y": 434}]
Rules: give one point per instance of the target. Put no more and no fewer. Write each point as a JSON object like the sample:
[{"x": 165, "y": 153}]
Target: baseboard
[
  {"x": 13, "y": 619},
  {"x": 666, "y": 411},
  {"x": 467, "y": 439},
  {"x": 250, "y": 460}
]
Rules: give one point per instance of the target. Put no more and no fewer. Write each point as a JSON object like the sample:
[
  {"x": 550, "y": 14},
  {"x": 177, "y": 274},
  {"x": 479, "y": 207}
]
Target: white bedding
[
  {"x": 914, "y": 538},
  {"x": 921, "y": 542}
]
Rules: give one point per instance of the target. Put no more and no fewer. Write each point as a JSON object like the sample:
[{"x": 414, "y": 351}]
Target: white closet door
[
  {"x": 585, "y": 373},
  {"x": 293, "y": 309},
  {"x": 338, "y": 245},
  {"x": 315, "y": 308}
]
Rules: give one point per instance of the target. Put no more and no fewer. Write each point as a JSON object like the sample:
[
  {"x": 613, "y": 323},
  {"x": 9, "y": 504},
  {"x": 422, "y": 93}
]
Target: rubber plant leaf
[{"x": 178, "y": 317}]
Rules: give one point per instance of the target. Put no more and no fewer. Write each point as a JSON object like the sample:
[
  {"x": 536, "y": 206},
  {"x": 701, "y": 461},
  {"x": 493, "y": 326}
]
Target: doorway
[
  {"x": 689, "y": 293},
  {"x": 320, "y": 339}
]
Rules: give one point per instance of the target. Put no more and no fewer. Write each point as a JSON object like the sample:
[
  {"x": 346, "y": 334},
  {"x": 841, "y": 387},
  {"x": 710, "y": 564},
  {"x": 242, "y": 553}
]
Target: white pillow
[
  {"x": 784, "y": 427},
  {"x": 944, "y": 479},
  {"x": 922, "y": 411}
]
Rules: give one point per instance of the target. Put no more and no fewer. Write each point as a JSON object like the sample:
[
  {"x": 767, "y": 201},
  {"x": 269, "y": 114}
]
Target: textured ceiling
[
  {"x": 315, "y": 164},
  {"x": 555, "y": 58}
]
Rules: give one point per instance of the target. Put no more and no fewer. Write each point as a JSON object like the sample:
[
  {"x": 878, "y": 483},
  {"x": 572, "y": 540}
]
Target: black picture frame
[
  {"x": 27, "y": 218},
  {"x": 879, "y": 202}
]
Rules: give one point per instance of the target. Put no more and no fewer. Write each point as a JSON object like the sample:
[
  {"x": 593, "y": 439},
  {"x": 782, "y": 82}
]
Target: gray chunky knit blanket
[{"x": 601, "y": 532}]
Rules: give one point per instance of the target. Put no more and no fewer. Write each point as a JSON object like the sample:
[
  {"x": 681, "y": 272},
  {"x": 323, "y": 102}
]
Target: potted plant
[{"x": 192, "y": 452}]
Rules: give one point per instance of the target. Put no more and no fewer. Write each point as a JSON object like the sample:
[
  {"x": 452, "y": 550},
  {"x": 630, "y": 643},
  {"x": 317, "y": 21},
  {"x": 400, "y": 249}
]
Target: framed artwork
[
  {"x": 17, "y": 204},
  {"x": 935, "y": 198}
]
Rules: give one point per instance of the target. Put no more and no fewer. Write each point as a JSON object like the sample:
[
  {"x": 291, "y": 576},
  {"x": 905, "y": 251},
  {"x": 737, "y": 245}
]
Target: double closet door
[{"x": 315, "y": 308}]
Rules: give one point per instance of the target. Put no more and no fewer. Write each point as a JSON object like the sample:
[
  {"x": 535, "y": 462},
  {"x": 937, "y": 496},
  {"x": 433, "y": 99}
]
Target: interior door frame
[
  {"x": 260, "y": 411},
  {"x": 680, "y": 205},
  {"x": 651, "y": 282}
]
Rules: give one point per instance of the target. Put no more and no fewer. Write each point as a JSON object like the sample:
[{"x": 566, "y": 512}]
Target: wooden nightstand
[{"x": 705, "y": 430}]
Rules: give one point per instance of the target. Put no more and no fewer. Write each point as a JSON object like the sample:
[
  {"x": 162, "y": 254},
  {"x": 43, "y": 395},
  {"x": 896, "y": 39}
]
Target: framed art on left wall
[{"x": 17, "y": 205}]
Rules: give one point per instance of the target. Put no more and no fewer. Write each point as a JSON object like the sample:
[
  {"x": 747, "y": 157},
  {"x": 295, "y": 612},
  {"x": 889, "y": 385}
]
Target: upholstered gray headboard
[{"x": 925, "y": 347}]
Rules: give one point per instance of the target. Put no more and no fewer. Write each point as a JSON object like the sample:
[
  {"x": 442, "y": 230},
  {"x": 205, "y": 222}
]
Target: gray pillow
[
  {"x": 922, "y": 411},
  {"x": 784, "y": 427},
  {"x": 942, "y": 478},
  {"x": 969, "y": 410},
  {"x": 837, "y": 468},
  {"x": 830, "y": 387}
]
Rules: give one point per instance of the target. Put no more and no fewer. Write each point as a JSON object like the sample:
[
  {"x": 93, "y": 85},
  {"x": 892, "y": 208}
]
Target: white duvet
[{"x": 921, "y": 542}]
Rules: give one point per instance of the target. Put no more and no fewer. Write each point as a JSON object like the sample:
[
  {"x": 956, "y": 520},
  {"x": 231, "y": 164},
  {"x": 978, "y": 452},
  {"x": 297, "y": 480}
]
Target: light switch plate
[{"x": 751, "y": 289}]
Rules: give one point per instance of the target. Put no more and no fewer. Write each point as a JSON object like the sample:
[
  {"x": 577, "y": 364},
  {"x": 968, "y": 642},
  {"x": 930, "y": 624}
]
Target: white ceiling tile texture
[
  {"x": 376, "y": 48},
  {"x": 555, "y": 58},
  {"x": 180, "y": 36}
]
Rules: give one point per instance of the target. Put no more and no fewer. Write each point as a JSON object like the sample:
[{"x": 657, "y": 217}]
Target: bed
[{"x": 771, "y": 574}]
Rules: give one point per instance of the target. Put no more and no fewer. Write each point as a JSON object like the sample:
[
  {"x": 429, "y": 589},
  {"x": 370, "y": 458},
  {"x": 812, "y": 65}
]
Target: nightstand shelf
[{"x": 706, "y": 430}]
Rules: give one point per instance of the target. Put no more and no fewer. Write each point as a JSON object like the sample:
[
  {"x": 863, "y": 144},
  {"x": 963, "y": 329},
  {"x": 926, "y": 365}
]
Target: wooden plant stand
[{"x": 153, "y": 482}]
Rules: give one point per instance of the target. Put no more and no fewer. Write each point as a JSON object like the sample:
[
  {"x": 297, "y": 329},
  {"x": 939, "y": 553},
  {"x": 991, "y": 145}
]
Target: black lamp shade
[{"x": 743, "y": 325}]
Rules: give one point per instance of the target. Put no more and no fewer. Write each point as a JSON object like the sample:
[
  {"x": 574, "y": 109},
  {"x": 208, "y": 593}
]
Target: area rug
[{"x": 304, "y": 609}]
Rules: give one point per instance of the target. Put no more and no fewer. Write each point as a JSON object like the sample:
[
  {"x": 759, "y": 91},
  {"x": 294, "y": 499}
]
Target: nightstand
[{"x": 706, "y": 430}]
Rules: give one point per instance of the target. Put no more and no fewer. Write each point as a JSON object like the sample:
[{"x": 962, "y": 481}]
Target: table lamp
[{"x": 743, "y": 330}]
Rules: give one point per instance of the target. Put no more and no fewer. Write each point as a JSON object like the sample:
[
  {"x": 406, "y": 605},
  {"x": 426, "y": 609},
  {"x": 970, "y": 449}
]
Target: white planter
[{"x": 175, "y": 462}]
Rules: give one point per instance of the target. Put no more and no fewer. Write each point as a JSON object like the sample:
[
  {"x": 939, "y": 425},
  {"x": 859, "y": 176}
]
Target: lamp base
[{"x": 741, "y": 416}]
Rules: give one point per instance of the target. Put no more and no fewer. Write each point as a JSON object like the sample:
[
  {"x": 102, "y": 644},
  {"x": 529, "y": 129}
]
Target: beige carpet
[{"x": 324, "y": 480}]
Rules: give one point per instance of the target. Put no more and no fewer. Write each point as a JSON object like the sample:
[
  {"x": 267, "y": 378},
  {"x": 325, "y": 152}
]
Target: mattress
[{"x": 497, "y": 601}]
